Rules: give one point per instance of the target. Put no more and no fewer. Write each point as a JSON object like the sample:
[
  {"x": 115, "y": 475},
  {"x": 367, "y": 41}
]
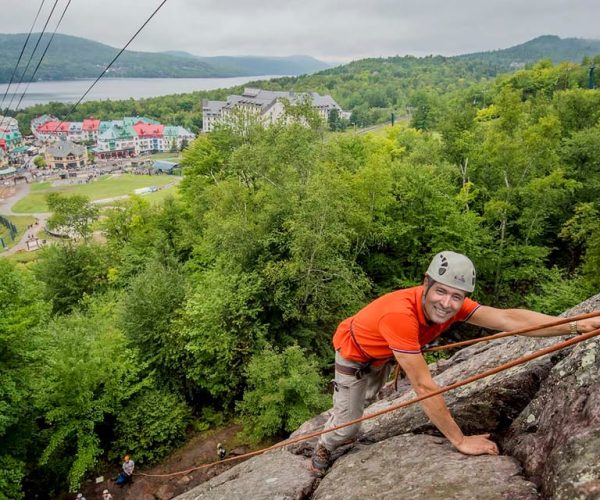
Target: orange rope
[
  {"x": 469, "y": 380},
  {"x": 500, "y": 335},
  {"x": 520, "y": 331}
]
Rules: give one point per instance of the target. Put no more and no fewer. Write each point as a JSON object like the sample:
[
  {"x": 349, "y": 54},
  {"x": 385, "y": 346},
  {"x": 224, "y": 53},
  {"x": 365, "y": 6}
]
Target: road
[
  {"x": 6, "y": 204},
  {"x": 14, "y": 194}
]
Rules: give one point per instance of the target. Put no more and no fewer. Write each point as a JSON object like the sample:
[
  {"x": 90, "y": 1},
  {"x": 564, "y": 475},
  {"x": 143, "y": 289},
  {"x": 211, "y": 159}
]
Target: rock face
[
  {"x": 557, "y": 436},
  {"x": 422, "y": 467},
  {"x": 545, "y": 414},
  {"x": 276, "y": 475}
]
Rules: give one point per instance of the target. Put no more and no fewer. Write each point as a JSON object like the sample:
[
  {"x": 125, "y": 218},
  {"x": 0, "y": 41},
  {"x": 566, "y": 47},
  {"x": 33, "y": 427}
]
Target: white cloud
[{"x": 328, "y": 29}]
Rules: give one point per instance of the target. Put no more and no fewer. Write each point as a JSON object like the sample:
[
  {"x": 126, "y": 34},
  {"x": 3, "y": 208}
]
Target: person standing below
[
  {"x": 396, "y": 326},
  {"x": 221, "y": 452},
  {"x": 106, "y": 495},
  {"x": 126, "y": 476}
]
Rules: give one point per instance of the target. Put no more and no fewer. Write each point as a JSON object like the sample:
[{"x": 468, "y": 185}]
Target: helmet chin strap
[{"x": 430, "y": 283}]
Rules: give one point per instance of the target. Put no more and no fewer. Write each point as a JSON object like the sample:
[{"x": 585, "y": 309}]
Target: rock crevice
[{"x": 545, "y": 415}]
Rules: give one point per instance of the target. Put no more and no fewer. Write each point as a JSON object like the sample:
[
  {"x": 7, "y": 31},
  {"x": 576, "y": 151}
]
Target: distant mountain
[
  {"x": 257, "y": 65},
  {"x": 543, "y": 47},
  {"x": 71, "y": 57}
]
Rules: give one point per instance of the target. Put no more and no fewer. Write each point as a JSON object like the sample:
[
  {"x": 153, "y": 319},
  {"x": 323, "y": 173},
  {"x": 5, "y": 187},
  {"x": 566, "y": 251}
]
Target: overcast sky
[{"x": 331, "y": 30}]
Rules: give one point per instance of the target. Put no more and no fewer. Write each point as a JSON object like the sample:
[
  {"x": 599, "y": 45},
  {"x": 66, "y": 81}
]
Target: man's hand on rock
[
  {"x": 477, "y": 445},
  {"x": 587, "y": 325}
]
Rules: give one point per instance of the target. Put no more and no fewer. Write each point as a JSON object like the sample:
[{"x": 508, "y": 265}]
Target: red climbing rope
[
  {"x": 469, "y": 380},
  {"x": 520, "y": 331}
]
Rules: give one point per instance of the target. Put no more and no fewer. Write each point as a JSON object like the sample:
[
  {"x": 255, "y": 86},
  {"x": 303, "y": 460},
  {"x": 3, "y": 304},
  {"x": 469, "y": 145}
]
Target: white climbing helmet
[{"x": 453, "y": 269}]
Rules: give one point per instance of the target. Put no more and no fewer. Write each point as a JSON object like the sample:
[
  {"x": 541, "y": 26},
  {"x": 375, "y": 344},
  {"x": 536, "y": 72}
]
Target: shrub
[
  {"x": 150, "y": 426},
  {"x": 284, "y": 390}
]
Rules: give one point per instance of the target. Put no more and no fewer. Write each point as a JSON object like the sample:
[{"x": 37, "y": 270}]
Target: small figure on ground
[
  {"x": 80, "y": 496},
  {"x": 106, "y": 495},
  {"x": 221, "y": 452},
  {"x": 126, "y": 476}
]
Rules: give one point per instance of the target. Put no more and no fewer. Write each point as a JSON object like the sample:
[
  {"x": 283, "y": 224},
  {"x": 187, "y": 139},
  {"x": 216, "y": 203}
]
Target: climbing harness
[{"x": 523, "y": 359}]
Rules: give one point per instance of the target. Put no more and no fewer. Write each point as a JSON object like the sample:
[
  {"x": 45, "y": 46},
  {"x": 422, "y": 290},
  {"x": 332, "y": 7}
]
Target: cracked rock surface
[{"x": 545, "y": 414}]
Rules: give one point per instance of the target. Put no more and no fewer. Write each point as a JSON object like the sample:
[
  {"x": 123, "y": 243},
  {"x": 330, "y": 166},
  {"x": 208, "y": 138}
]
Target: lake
[{"x": 116, "y": 88}]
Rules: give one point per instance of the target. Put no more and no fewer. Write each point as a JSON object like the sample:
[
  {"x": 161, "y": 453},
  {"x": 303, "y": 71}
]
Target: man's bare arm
[
  {"x": 512, "y": 319},
  {"x": 418, "y": 374}
]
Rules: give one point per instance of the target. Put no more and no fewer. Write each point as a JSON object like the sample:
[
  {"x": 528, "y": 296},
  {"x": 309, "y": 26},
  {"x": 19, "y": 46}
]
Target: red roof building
[
  {"x": 90, "y": 125},
  {"x": 148, "y": 130},
  {"x": 54, "y": 128}
]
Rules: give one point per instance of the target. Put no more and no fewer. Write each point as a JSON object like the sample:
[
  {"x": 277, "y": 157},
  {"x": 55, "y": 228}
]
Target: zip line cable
[
  {"x": 43, "y": 55},
  {"x": 33, "y": 52},
  {"x": 21, "y": 54},
  {"x": 492, "y": 371},
  {"x": 109, "y": 65}
]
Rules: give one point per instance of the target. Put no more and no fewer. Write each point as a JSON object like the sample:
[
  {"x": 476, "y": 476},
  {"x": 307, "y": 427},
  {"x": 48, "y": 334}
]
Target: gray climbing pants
[{"x": 349, "y": 398}]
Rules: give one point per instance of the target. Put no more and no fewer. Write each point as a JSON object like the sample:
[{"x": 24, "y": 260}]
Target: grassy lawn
[
  {"x": 175, "y": 157},
  {"x": 159, "y": 196},
  {"x": 106, "y": 187},
  {"x": 156, "y": 197},
  {"x": 21, "y": 221}
]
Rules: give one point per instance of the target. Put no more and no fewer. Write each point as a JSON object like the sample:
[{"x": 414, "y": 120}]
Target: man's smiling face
[{"x": 442, "y": 302}]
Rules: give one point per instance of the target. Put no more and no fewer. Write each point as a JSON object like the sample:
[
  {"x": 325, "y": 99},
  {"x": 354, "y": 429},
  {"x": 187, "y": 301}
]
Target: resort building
[
  {"x": 40, "y": 120},
  {"x": 75, "y": 131},
  {"x": 53, "y": 130},
  {"x": 149, "y": 137},
  {"x": 118, "y": 141},
  {"x": 131, "y": 136},
  {"x": 65, "y": 154},
  {"x": 90, "y": 129},
  {"x": 176, "y": 137},
  {"x": 268, "y": 105},
  {"x": 10, "y": 136}
]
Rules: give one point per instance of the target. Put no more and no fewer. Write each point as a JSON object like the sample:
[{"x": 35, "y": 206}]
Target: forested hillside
[
  {"x": 543, "y": 47},
  {"x": 71, "y": 57},
  {"x": 372, "y": 89},
  {"x": 222, "y": 302}
]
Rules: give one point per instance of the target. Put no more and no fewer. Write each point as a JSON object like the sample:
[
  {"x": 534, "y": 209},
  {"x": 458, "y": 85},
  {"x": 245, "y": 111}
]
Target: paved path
[
  {"x": 6, "y": 204},
  {"x": 22, "y": 190}
]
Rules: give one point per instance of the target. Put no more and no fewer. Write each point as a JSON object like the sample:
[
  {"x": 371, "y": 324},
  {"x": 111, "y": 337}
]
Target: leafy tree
[
  {"x": 148, "y": 308},
  {"x": 318, "y": 276},
  {"x": 86, "y": 375},
  {"x": 284, "y": 390},
  {"x": 23, "y": 310},
  {"x": 581, "y": 155},
  {"x": 12, "y": 472},
  {"x": 582, "y": 232},
  {"x": 302, "y": 112},
  {"x": 222, "y": 326},
  {"x": 425, "y": 109},
  {"x": 70, "y": 272},
  {"x": 138, "y": 233},
  {"x": 335, "y": 122},
  {"x": 577, "y": 109},
  {"x": 150, "y": 426},
  {"x": 73, "y": 215},
  {"x": 39, "y": 162},
  {"x": 557, "y": 293}
]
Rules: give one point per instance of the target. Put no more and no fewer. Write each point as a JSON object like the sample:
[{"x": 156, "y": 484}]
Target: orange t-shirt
[{"x": 393, "y": 322}]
